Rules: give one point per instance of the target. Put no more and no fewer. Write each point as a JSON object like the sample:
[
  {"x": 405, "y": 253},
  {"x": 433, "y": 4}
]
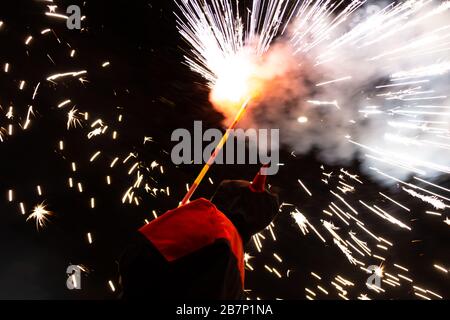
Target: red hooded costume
[{"x": 197, "y": 251}]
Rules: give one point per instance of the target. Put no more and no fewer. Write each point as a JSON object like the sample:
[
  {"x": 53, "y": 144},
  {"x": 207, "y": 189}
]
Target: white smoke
[{"x": 372, "y": 50}]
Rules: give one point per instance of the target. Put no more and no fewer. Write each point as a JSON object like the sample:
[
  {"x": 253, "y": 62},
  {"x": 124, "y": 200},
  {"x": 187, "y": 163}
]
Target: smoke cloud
[{"x": 374, "y": 87}]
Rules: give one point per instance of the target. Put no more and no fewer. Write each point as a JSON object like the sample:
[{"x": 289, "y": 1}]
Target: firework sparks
[
  {"x": 305, "y": 188},
  {"x": 40, "y": 214},
  {"x": 72, "y": 118},
  {"x": 434, "y": 201},
  {"x": 303, "y": 224},
  {"x": 66, "y": 74}
]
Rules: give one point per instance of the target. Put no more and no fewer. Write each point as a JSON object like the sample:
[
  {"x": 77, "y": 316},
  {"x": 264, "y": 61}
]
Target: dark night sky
[{"x": 148, "y": 84}]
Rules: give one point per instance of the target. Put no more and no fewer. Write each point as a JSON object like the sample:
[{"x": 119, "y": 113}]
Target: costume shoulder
[
  {"x": 193, "y": 251},
  {"x": 186, "y": 229}
]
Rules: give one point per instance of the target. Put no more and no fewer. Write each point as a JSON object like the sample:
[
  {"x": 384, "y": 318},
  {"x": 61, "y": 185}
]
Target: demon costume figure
[{"x": 196, "y": 251}]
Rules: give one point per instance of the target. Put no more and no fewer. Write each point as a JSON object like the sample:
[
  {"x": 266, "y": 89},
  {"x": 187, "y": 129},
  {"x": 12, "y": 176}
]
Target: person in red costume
[{"x": 196, "y": 251}]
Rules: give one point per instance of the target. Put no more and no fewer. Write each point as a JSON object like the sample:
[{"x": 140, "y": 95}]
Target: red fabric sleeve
[{"x": 191, "y": 227}]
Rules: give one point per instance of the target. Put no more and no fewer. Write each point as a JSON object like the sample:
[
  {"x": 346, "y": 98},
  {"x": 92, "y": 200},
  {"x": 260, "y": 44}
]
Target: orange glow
[{"x": 237, "y": 81}]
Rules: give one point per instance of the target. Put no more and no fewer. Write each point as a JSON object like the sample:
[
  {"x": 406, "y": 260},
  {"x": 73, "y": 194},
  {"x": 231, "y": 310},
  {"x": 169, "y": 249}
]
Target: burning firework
[
  {"x": 228, "y": 52},
  {"x": 400, "y": 50}
]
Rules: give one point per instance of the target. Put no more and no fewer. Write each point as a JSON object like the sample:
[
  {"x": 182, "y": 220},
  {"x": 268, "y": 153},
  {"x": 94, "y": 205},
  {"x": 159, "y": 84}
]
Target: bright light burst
[
  {"x": 72, "y": 118},
  {"x": 227, "y": 48},
  {"x": 40, "y": 214}
]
